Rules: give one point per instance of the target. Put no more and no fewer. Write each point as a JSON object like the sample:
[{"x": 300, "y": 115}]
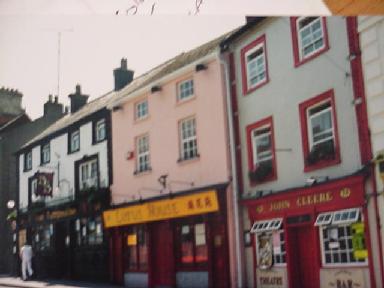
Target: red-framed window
[
  {"x": 261, "y": 151},
  {"x": 309, "y": 38},
  {"x": 192, "y": 245},
  {"x": 254, "y": 65},
  {"x": 136, "y": 249},
  {"x": 319, "y": 132}
]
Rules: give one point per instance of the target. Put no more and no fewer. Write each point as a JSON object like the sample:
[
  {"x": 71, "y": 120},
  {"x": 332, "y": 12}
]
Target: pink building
[{"x": 173, "y": 219}]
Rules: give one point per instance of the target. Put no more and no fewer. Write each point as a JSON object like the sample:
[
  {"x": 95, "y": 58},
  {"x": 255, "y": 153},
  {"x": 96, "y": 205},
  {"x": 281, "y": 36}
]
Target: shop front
[
  {"x": 67, "y": 238},
  {"x": 312, "y": 237},
  {"x": 178, "y": 241}
]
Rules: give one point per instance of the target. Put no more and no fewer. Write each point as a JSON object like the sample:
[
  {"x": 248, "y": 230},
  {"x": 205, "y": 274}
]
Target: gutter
[{"x": 235, "y": 194}]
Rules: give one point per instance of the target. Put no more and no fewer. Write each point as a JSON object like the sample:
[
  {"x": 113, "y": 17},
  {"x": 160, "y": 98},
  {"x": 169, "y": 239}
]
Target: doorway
[
  {"x": 303, "y": 262},
  {"x": 162, "y": 270},
  {"x": 63, "y": 250}
]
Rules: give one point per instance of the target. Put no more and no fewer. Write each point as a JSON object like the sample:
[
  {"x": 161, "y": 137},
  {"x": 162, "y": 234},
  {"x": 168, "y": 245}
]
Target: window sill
[
  {"x": 249, "y": 90},
  {"x": 74, "y": 151},
  {"x": 322, "y": 164},
  {"x": 95, "y": 142},
  {"x": 189, "y": 160},
  {"x": 302, "y": 61},
  {"x": 27, "y": 169},
  {"x": 271, "y": 178},
  {"x": 185, "y": 100},
  {"x": 142, "y": 119},
  {"x": 143, "y": 172}
]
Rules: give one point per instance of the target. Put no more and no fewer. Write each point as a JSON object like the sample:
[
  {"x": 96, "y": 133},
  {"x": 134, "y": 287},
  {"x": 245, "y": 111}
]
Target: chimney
[
  {"x": 122, "y": 75},
  {"x": 53, "y": 109},
  {"x": 78, "y": 100}
]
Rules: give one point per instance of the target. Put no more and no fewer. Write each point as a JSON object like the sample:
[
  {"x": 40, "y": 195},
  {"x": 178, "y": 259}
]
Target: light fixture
[
  {"x": 311, "y": 181},
  {"x": 357, "y": 101},
  {"x": 200, "y": 67},
  {"x": 116, "y": 108},
  {"x": 155, "y": 89},
  {"x": 11, "y": 204}
]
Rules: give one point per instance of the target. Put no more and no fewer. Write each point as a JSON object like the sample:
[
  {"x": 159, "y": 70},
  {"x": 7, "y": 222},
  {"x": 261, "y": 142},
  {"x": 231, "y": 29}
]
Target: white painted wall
[{"x": 66, "y": 163}]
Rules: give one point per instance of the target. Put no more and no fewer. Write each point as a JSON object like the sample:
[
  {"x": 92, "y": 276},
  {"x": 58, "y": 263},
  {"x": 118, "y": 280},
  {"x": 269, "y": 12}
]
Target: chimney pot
[
  {"x": 56, "y": 99},
  {"x": 78, "y": 89},
  {"x": 124, "y": 63},
  {"x": 49, "y": 98}
]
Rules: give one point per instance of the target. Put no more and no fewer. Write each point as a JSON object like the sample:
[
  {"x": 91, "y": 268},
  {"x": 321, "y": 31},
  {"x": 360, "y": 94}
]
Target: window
[
  {"x": 319, "y": 132},
  {"x": 89, "y": 231},
  {"x": 254, "y": 65},
  {"x": 136, "y": 252},
  {"x": 45, "y": 153},
  {"x": 42, "y": 239},
  {"x": 193, "y": 245},
  {"x": 28, "y": 161},
  {"x": 309, "y": 35},
  {"x": 88, "y": 174},
  {"x": 141, "y": 109},
  {"x": 188, "y": 139},
  {"x": 185, "y": 90},
  {"x": 74, "y": 141},
  {"x": 261, "y": 155},
  {"x": 342, "y": 238},
  {"x": 100, "y": 130},
  {"x": 271, "y": 248},
  {"x": 142, "y": 147}
]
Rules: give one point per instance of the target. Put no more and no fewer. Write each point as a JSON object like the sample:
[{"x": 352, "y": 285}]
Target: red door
[
  {"x": 303, "y": 267},
  {"x": 162, "y": 257}
]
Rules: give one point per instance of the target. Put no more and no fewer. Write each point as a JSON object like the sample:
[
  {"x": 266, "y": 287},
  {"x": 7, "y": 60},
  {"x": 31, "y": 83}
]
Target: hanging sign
[
  {"x": 195, "y": 204},
  {"x": 44, "y": 184}
]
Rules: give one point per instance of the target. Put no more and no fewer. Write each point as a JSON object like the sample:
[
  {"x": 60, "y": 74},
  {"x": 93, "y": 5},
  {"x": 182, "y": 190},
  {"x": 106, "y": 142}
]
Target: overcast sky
[{"x": 94, "y": 38}]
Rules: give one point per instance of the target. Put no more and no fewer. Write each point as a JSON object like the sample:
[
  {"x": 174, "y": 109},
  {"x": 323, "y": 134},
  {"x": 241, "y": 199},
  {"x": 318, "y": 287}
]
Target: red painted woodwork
[
  {"x": 117, "y": 257},
  {"x": 303, "y": 107},
  {"x": 302, "y": 265},
  {"x": 328, "y": 197},
  {"x": 220, "y": 268},
  {"x": 295, "y": 42},
  {"x": 162, "y": 270}
]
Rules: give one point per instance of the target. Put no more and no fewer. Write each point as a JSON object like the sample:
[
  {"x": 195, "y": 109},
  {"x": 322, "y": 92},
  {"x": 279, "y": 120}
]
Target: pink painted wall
[{"x": 207, "y": 106}]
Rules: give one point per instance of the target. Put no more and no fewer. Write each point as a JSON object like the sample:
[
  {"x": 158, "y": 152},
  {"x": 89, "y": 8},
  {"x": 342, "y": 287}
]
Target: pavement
[{"x": 9, "y": 281}]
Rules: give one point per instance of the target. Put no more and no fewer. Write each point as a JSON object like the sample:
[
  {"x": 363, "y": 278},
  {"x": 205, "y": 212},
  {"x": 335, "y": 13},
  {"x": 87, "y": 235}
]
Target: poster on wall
[
  {"x": 265, "y": 252},
  {"x": 358, "y": 243}
]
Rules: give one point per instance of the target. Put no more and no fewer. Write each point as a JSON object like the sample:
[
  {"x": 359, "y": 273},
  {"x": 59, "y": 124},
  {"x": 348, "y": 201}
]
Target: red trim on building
[
  {"x": 362, "y": 116},
  {"x": 295, "y": 42},
  {"x": 246, "y": 89},
  {"x": 303, "y": 107},
  {"x": 264, "y": 122}
]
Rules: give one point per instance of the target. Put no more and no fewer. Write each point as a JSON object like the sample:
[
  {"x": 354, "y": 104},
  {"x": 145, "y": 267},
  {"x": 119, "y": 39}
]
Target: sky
[{"x": 96, "y": 34}]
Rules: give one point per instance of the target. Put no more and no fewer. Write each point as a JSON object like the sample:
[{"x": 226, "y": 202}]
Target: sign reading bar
[{"x": 163, "y": 209}]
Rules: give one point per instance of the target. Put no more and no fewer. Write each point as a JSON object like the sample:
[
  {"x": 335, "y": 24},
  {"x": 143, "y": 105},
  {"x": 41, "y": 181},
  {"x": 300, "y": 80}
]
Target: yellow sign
[
  {"x": 61, "y": 213},
  {"x": 132, "y": 240},
  {"x": 163, "y": 209}
]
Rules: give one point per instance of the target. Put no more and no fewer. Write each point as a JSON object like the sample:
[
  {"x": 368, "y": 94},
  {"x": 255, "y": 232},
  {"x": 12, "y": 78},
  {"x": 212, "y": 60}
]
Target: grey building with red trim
[{"x": 303, "y": 153}]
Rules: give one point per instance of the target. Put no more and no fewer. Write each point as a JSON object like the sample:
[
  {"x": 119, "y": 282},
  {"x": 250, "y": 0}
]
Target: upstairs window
[
  {"x": 188, "y": 139},
  {"x": 262, "y": 165},
  {"x": 28, "y": 161},
  {"x": 141, "y": 110},
  {"x": 254, "y": 65},
  {"x": 45, "y": 153},
  {"x": 185, "y": 90},
  {"x": 100, "y": 130},
  {"x": 309, "y": 35},
  {"x": 74, "y": 141},
  {"x": 88, "y": 174},
  {"x": 142, "y": 147},
  {"x": 319, "y": 129}
]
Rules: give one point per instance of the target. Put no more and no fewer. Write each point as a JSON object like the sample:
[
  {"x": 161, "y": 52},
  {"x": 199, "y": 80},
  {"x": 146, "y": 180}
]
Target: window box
[
  {"x": 309, "y": 38},
  {"x": 319, "y": 132},
  {"x": 254, "y": 65},
  {"x": 261, "y": 172}
]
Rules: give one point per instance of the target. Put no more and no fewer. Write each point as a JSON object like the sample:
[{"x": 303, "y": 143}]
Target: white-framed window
[
  {"x": 142, "y": 146},
  {"x": 320, "y": 124},
  {"x": 34, "y": 188},
  {"x": 341, "y": 237},
  {"x": 256, "y": 65},
  {"x": 310, "y": 34},
  {"x": 45, "y": 153},
  {"x": 262, "y": 145},
  {"x": 188, "y": 139},
  {"x": 271, "y": 247},
  {"x": 185, "y": 89},
  {"x": 28, "y": 160},
  {"x": 88, "y": 174},
  {"x": 100, "y": 130},
  {"x": 75, "y": 141},
  {"x": 141, "y": 109}
]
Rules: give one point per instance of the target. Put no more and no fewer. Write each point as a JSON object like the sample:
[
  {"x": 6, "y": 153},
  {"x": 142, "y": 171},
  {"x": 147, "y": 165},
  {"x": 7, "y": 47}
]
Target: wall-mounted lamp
[
  {"x": 117, "y": 108},
  {"x": 200, "y": 67},
  {"x": 130, "y": 155},
  {"x": 155, "y": 89},
  {"x": 315, "y": 180},
  {"x": 357, "y": 101}
]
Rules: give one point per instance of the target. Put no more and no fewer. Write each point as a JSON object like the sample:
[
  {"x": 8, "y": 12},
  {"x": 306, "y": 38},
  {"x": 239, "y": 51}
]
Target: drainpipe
[{"x": 235, "y": 185}]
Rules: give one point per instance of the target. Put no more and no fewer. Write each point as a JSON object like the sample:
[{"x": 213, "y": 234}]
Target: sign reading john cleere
[{"x": 163, "y": 209}]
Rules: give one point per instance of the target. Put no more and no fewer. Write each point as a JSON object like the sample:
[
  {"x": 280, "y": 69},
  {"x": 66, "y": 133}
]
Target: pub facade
[
  {"x": 172, "y": 221},
  {"x": 308, "y": 194}
]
